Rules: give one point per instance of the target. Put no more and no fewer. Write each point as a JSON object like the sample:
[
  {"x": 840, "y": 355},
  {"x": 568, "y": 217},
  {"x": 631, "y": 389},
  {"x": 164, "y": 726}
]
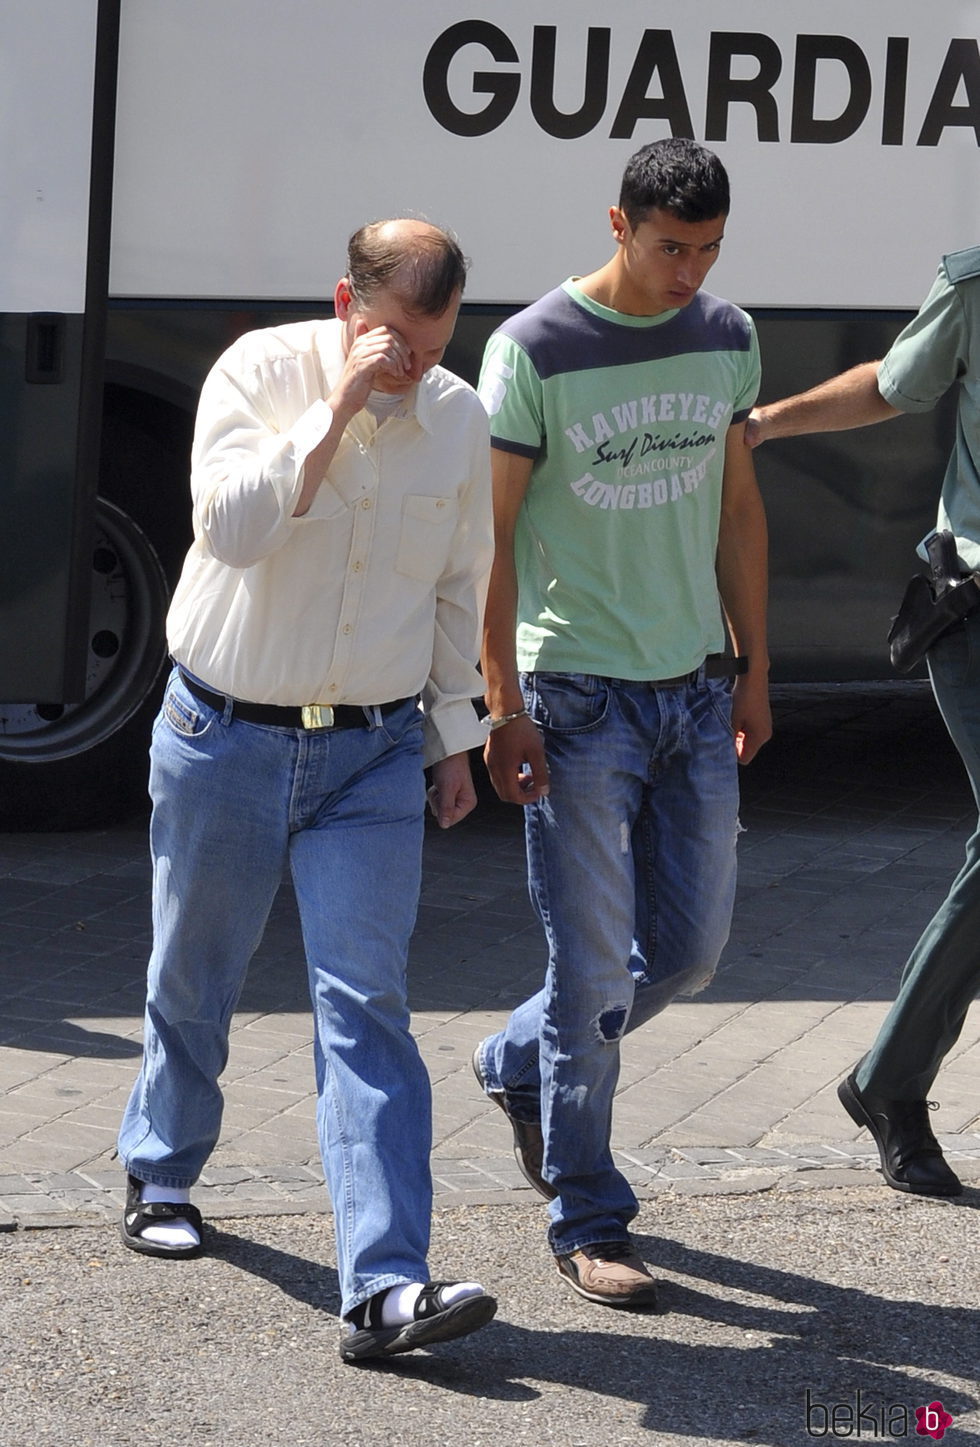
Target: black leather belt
[
  {"x": 309, "y": 716},
  {"x": 716, "y": 665}
]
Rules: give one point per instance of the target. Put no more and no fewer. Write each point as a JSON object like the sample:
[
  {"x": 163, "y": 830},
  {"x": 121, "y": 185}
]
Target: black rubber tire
[{"x": 85, "y": 766}]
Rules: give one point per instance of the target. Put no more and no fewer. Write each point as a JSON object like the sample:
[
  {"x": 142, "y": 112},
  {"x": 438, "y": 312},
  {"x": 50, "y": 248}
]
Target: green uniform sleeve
[{"x": 930, "y": 354}]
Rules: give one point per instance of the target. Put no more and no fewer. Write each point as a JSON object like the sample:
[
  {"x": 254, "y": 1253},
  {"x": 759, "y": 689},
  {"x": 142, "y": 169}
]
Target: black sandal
[
  {"x": 433, "y": 1322},
  {"x": 140, "y": 1214}
]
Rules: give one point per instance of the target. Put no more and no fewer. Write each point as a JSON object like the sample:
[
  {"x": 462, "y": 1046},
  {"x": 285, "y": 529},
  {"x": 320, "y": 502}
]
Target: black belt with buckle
[
  {"x": 309, "y": 716},
  {"x": 716, "y": 665}
]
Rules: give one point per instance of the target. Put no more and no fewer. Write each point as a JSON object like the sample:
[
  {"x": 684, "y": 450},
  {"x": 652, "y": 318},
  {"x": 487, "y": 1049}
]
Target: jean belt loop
[{"x": 373, "y": 712}]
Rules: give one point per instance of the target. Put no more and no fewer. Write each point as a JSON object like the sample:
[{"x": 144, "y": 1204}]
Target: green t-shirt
[
  {"x": 625, "y": 419},
  {"x": 940, "y": 346}
]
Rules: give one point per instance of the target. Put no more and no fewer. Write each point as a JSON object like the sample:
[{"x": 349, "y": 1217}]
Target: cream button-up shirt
[{"x": 377, "y": 592}]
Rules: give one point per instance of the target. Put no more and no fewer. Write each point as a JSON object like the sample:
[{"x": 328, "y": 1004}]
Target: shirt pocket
[{"x": 428, "y": 524}]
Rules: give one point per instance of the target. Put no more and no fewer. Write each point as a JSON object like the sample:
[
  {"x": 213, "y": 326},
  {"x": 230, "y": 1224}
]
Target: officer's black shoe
[{"x": 911, "y": 1157}]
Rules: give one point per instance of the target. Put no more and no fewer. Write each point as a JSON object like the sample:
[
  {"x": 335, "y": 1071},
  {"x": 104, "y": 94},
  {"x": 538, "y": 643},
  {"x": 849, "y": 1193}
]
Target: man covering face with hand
[{"x": 324, "y": 633}]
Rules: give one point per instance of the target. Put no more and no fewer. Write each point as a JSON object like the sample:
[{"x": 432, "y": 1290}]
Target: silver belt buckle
[{"x": 316, "y": 716}]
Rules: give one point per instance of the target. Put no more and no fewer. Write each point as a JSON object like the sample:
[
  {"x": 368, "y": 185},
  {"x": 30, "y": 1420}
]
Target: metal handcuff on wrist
[{"x": 506, "y": 718}]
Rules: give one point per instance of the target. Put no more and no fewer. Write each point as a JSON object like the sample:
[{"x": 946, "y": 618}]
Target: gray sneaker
[
  {"x": 528, "y": 1140},
  {"x": 610, "y": 1273}
]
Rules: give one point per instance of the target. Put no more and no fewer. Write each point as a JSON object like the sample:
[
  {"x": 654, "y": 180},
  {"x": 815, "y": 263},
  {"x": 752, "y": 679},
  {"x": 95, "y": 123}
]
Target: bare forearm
[
  {"x": 849, "y": 400},
  {"x": 742, "y": 573},
  {"x": 499, "y": 655},
  {"x": 743, "y": 584}
]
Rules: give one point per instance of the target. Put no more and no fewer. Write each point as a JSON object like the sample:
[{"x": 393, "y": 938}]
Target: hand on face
[
  {"x": 388, "y": 347},
  {"x": 379, "y": 359}
]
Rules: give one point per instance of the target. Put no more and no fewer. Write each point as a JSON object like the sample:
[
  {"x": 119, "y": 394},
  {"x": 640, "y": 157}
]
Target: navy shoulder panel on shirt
[
  {"x": 559, "y": 335},
  {"x": 962, "y": 265}
]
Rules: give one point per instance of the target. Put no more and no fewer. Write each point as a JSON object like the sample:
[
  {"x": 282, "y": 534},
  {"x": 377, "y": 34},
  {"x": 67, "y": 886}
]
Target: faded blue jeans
[
  {"x": 233, "y": 803},
  {"x": 631, "y": 867}
]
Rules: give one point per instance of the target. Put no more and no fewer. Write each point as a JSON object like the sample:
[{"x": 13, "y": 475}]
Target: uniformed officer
[{"x": 887, "y": 1090}]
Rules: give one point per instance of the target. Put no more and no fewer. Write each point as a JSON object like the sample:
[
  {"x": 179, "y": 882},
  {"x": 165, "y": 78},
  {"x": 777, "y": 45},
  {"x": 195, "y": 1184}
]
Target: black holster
[{"x": 934, "y": 602}]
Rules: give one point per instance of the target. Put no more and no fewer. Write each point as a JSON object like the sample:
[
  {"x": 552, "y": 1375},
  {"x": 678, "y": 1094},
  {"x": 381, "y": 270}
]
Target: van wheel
[{"x": 84, "y": 765}]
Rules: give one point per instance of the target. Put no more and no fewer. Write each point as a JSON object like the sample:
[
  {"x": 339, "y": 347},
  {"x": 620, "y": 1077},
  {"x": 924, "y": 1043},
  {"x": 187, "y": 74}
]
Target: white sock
[
  {"x": 177, "y": 1233},
  {"x": 398, "y": 1307}
]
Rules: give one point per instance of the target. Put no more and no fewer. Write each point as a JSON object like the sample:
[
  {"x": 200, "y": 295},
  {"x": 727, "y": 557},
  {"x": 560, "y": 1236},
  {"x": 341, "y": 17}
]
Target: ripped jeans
[{"x": 631, "y": 868}]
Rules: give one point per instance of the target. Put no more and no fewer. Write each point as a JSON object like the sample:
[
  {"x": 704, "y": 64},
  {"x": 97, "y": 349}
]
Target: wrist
[
  {"x": 499, "y": 721},
  {"x": 343, "y": 409},
  {"x": 501, "y": 698}
]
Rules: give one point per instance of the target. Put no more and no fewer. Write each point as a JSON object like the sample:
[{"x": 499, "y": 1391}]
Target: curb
[{"x": 34, "y": 1201}]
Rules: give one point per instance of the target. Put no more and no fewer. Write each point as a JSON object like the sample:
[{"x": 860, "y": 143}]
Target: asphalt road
[{"x": 782, "y": 1309}]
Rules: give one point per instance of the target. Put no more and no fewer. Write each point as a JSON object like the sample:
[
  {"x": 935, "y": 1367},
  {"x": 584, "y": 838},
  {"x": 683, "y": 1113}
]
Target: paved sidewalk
[{"x": 855, "y": 819}]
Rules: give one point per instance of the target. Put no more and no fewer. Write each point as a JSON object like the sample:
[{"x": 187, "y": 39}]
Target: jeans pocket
[
  {"x": 567, "y": 703},
  {"x": 190, "y": 720},
  {"x": 720, "y": 697},
  {"x": 400, "y": 724}
]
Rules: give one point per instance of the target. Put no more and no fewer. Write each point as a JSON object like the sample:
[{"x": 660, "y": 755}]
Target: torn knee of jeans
[{"x": 611, "y": 1024}]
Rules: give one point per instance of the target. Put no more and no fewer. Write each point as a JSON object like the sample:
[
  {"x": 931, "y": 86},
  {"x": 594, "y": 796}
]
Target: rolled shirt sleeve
[{"x": 451, "y": 723}]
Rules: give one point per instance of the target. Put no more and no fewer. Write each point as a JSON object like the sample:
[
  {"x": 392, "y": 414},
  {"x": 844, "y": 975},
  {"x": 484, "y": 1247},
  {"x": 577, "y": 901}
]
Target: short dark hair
[
  {"x": 675, "y": 175},
  {"x": 420, "y": 263}
]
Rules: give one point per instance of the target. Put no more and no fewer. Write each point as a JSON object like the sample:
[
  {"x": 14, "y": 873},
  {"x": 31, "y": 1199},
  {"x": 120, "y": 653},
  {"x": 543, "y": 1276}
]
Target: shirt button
[
  {"x": 347, "y": 628},
  {"x": 366, "y": 503},
  {"x": 441, "y": 502},
  {"x": 357, "y": 567}
]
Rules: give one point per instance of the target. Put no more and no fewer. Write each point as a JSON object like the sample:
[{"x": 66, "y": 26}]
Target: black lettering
[
  {"x": 962, "y": 63},
  {"x": 865, "y": 1417},
  {"x": 816, "y": 1426},
  {"x": 724, "y": 90},
  {"x": 656, "y": 53},
  {"x": 502, "y": 86},
  {"x": 568, "y": 125},
  {"x": 898, "y": 1420},
  {"x": 622, "y": 454},
  {"x": 896, "y": 84},
  {"x": 810, "y": 50},
  {"x": 677, "y": 443}
]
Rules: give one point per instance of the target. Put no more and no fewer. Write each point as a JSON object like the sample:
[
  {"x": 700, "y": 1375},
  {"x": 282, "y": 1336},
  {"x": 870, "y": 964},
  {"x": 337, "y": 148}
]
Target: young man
[
  {"x": 887, "y": 1090},
  {"x": 627, "y": 518},
  {"x": 342, "y": 539}
]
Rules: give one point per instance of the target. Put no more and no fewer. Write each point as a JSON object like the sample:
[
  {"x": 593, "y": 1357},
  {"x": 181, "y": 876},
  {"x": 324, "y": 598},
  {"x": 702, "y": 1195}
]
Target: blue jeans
[
  {"x": 631, "y": 865},
  {"x": 942, "y": 976},
  {"x": 232, "y": 804}
]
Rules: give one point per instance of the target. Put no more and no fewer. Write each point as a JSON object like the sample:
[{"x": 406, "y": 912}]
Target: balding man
[{"x": 324, "y": 633}]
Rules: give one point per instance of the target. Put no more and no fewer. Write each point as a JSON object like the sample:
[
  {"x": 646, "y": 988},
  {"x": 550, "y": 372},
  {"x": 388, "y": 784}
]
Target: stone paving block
[
  {"x": 742, "y": 1186},
  {"x": 106, "y": 1182},
  {"x": 249, "y": 1191},
  {"x": 830, "y": 1178},
  {"x": 839, "y": 873},
  {"x": 253, "y": 1094},
  {"x": 680, "y": 1171},
  {"x": 42, "y": 1204},
  {"x": 710, "y": 1156},
  {"x": 758, "y": 1156},
  {"x": 489, "y": 1196}
]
